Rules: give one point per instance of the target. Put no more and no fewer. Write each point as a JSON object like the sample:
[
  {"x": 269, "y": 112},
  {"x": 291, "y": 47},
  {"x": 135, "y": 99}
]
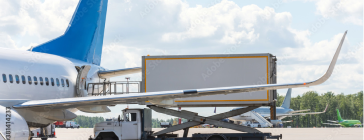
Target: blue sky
[{"x": 303, "y": 34}]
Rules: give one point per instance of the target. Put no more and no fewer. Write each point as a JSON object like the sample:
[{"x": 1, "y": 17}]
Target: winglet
[
  {"x": 331, "y": 67},
  {"x": 326, "y": 108}
]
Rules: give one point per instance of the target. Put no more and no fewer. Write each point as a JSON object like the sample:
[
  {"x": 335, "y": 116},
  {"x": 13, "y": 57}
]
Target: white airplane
[
  {"x": 282, "y": 112},
  {"x": 45, "y": 84}
]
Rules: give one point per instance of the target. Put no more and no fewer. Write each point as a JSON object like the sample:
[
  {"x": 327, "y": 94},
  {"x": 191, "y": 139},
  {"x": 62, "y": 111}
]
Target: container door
[{"x": 129, "y": 128}]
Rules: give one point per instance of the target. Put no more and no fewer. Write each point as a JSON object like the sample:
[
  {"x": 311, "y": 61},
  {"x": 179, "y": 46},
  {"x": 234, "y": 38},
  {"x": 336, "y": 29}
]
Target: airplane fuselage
[
  {"x": 30, "y": 75},
  {"x": 263, "y": 111},
  {"x": 349, "y": 123}
]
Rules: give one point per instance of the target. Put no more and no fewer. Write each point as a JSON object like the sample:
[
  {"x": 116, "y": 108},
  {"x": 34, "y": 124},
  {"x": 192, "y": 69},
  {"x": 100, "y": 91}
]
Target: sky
[{"x": 303, "y": 34}]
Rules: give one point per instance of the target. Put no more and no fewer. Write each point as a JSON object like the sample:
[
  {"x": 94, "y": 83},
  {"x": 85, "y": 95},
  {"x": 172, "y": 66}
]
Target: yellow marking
[{"x": 145, "y": 76}]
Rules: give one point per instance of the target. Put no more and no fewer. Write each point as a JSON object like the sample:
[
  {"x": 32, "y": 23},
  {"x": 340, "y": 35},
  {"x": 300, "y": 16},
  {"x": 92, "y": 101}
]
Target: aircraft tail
[
  {"x": 287, "y": 100},
  {"x": 338, "y": 115},
  {"x": 84, "y": 36}
]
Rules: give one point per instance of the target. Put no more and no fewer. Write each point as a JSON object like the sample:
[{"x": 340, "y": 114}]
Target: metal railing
[{"x": 109, "y": 88}]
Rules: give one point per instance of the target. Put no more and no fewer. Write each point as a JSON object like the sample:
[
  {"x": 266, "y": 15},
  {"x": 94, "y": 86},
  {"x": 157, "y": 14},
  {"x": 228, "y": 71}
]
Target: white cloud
[
  {"x": 350, "y": 11},
  {"x": 159, "y": 27}
]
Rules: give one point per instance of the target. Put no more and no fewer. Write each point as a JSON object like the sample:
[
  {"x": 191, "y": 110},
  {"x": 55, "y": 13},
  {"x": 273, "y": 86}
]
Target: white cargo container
[{"x": 176, "y": 72}]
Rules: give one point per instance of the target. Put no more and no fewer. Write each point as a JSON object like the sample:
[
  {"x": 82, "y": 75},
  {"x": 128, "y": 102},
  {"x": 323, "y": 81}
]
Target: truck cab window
[
  {"x": 41, "y": 81},
  {"x": 35, "y": 80},
  {"x": 57, "y": 82},
  {"x": 131, "y": 117},
  {"x": 52, "y": 81},
  {"x": 29, "y": 80},
  {"x": 23, "y": 79},
  {"x": 11, "y": 78},
  {"x": 17, "y": 79},
  {"x": 46, "y": 81},
  {"x": 4, "y": 78}
]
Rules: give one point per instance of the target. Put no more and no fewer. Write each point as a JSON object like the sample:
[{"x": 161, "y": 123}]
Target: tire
[
  {"x": 248, "y": 125},
  {"x": 108, "y": 138},
  {"x": 215, "y": 138},
  {"x": 259, "y": 126},
  {"x": 44, "y": 138},
  {"x": 78, "y": 127}
]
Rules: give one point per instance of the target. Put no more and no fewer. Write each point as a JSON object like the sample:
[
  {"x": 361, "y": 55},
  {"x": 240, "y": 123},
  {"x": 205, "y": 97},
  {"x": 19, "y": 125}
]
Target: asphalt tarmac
[{"x": 288, "y": 133}]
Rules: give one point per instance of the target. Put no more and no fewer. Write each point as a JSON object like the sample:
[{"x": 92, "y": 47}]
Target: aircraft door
[{"x": 81, "y": 90}]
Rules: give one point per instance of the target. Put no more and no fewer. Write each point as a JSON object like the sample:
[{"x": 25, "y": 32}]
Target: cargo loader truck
[{"x": 136, "y": 124}]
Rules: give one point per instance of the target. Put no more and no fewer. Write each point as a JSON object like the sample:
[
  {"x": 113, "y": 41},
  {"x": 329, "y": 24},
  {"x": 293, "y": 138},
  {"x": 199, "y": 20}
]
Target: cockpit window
[
  {"x": 57, "y": 82},
  {"x": 17, "y": 79},
  {"x": 23, "y": 79},
  {"x": 11, "y": 78},
  {"x": 29, "y": 80},
  {"x": 46, "y": 81},
  {"x": 35, "y": 80},
  {"x": 52, "y": 81},
  {"x": 4, "y": 78}
]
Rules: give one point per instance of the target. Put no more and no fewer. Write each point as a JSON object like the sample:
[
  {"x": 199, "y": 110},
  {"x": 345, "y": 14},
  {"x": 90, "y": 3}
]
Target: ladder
[{"x": 260, "y": 119}]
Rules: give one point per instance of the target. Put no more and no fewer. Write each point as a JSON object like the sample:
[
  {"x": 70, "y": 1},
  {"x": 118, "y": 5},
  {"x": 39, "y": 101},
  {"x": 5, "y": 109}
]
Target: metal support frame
[{"x": 196, "y": 120}]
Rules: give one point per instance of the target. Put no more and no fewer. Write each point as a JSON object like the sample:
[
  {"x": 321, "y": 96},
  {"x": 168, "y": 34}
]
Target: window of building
[
  {"x": 68, "y": 84},
  {"x": 62, "y": 81},
  {"x": 41, "y": 81},
  {"x": 52, "y": 81},
  {"x": 17, "y": 79},
  {"x": 29, "y": 80},
  {"x": 57, "y": 82},
  {"x": 4, "y": 78},
  {"x": 11, "y": 78},
  {"x": 35, "y": 80},
  {"x": 46, "y": 81},
  {"x": 23, "y": 79}
]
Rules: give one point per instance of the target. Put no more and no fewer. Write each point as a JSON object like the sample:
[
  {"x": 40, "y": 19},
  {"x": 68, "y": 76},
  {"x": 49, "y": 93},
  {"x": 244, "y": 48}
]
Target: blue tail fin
[
  {"x": 84, "y": 36},
  {"x": 287, "y": 100}
]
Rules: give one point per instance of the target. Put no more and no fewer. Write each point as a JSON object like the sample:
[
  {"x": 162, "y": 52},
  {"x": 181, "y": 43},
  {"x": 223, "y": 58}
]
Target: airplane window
[
  {"x": 68, "y": 84},
  {"x": 41, "y": 81},
  {"x": 46, "y": 81},
  {"x": 52, "y": 81},
  {"x": 62, "y": 81},
  {"x": 23, "y": 79},
  {"x": 4, "y": 78},
  {"x": 35, "y": 80},
  {"x": 11, "y": 78},
  {"x": 17, "y": 79},
  {"x": 57, "y": 82},
  {"x": 29, "y": 80}
]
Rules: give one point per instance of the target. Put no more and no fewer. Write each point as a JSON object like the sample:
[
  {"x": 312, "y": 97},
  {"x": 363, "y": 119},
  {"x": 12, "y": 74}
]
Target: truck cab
[{"x": 132, "y": 124}]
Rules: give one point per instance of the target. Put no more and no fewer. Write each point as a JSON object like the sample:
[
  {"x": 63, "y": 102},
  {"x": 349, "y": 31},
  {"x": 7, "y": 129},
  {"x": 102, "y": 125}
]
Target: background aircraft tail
[
  {"x": 84, "y": 36},
  {"x": 287, "y": 100},
  {"x": 338, "y": 115}
]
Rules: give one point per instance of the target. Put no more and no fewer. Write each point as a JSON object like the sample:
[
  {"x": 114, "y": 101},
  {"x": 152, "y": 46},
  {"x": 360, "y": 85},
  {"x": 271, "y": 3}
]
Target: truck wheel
[
  {"x": 248, "y": 125},
  {"x": 108, "y": 138},
  {"x": 78, "y": 127},
  {"x": 215, "y": 138},
  {"x": 259, "y": 126},
  {"x": 44, "y": 138}
]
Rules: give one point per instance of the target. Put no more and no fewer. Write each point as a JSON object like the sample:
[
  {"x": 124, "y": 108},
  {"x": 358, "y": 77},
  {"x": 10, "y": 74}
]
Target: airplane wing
[
  {"x": 281, "y": 116},
  {"x": 300, "y": 111},
  {"x": 165, "y": 97},
  {"x": 332, "y": 121},
  {"x": 331, "y": 124},
  {"x": 119, "y": 72}
]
